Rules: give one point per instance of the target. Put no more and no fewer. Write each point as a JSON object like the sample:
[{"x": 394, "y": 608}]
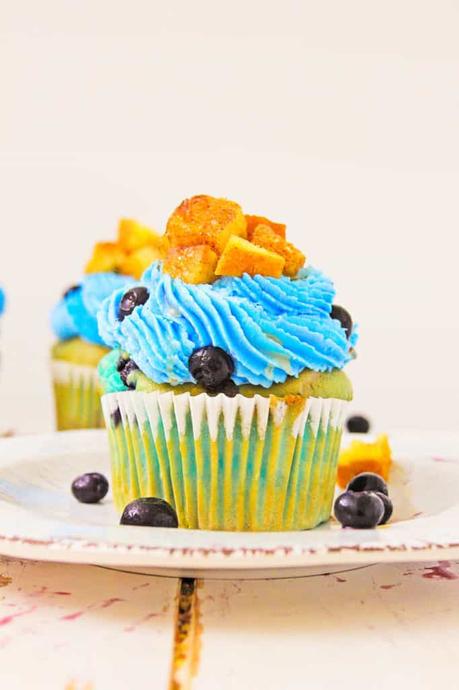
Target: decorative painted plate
[{"x": 40, "y": 519}]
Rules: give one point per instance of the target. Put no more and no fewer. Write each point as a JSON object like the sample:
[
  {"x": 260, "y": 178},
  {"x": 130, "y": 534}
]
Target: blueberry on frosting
[
  {"x": 343, "y": 316},
  {"x": 229, "y": 389},
  {"x": 211, "y": 367},
  {"x": 131, "y": 299},
  {"x": 71, "y": 289},
  {"x": 127, "y": 369}
]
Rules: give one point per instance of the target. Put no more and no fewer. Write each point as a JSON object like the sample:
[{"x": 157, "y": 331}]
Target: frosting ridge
[
  {"x": 75, "y": 315},
  {"x": 272, "y": 327}
]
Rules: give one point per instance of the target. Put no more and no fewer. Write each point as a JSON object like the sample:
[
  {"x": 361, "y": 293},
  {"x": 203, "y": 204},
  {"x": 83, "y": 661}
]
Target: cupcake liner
[
  {"x": 258, "y": 464},
  {"x": 76, "y": 396}
]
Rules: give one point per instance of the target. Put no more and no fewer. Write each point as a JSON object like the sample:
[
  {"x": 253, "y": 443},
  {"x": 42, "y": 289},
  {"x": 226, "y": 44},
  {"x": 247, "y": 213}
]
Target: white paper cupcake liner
[
  {"x": 227, "y": 463},
  {"x": 76, "y": 396}
]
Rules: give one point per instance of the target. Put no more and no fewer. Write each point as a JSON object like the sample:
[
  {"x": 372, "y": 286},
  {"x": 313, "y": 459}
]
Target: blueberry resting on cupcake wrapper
[
  {"x": 227, "y": 369},
  {"x": 212, "y": 368}
]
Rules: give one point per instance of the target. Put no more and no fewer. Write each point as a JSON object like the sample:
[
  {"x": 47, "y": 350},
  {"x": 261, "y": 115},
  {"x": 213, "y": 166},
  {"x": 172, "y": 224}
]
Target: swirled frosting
[
  {"x": 75, "y": 315},
  {"x": 2, "y": 301},
  {"x": 272, "y": 327}
]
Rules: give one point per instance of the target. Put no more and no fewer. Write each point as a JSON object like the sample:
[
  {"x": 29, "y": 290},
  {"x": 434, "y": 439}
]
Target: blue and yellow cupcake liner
[
  {"x": 76, "y": 396},
  {"x": 242, "y": 464}
]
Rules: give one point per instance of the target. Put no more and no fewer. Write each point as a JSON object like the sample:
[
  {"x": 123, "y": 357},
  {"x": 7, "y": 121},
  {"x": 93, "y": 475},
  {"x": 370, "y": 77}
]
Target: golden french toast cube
[
  {"x": 191, "y": 264},
  {"x": 241, "y": 256},
  {"x": 253, "y": 221},
  {"x": 264, "y": 236},
  {"x": 132, "y": 235},
  {"x": 106, "y": 256},
  {"x": 138, "y": 261},
  {"x": 205, "y": 220},
  {"x": 361, "y": 456}
]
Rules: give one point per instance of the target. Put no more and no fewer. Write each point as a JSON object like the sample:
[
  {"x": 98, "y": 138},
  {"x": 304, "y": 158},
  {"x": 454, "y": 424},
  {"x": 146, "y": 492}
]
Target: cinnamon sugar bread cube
[
  {"x": 206, "y": 220},
  {"x": 191, "y": 264},
  {"x": 265, "y": 236},
  {"x": 241, "y": 256},
  {"x": 253, "y": 221}
]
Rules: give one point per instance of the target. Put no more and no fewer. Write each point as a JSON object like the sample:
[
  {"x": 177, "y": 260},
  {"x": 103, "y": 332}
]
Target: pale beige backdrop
[{"x": 341, "y": 118}]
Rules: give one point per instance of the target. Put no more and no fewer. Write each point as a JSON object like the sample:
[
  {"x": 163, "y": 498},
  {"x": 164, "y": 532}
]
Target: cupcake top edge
[
  {"x": 75, "y": 315},
  {"x": 270, "y": 329},
  {"x": 111, "y": 265}
]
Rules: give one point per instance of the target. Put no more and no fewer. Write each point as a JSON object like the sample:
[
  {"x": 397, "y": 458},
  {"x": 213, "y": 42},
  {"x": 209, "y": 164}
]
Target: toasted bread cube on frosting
[
  {"x": 137, "y": 262},
  {"x": 191, "y": 264},
  {"x": 106, "y": 256},
  {"x": 264, "y": 236},
  {"x": 253, "y": 221},
  {"x": 365, "y": 457},
  {"x": 241, "y": 256},
  {"x": 206, "y": 220},
  {"x": 132, "y": 235}
]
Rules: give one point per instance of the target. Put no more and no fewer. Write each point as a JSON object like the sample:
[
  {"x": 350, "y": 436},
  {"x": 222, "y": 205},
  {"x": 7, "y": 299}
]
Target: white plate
[{"x": 40, "y": 519}]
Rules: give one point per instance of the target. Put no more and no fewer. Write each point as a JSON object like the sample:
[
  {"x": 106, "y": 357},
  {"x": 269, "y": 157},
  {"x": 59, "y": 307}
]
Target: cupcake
[
  {"x": 224, "y": 392},
  {"x": 79, "y": 347},
  {"x": 2, "y": 301}
]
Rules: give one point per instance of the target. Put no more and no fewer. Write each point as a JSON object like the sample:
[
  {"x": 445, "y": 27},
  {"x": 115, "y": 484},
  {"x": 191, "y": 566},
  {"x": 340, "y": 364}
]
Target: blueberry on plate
[
  {"x": 343, "y": 316},
  {"x": 149, "y": 512},
  {"x": 388, "y": 507},
  {"x": 359, "y": 510},
  {"x": 131, "y": 299},
  {"x": 90, "y": 487},
  {"x": 358, "y": 424},
  {"x": 368, "y": 481},
  {"x": 211, "y": 367}
]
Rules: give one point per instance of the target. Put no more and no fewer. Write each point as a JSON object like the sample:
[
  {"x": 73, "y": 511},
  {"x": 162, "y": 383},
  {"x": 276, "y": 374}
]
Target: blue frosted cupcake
[
  {"x": 79, "y": 349},
  {"x": 2, "y": 301},
  {"x": 226, "y": 397}
]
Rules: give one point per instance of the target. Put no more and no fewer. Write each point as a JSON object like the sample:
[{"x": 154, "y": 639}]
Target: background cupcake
[
  {"x": 2, "y": 301},
  {"x": 79, "y": 348},
  {"x": 225, "y": 391}
]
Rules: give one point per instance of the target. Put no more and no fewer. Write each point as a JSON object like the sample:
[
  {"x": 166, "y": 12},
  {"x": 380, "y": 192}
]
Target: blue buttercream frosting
[
  {"x": 272, "y": 327},
  {"x": 2, "y": 301},
  {"x": 75, "y": 315}
]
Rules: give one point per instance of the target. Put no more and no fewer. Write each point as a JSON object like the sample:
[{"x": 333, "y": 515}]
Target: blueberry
[
  {"x": 228, "y": 388},
  {"x": 71, "y": 289},
  {"x": 359, "y": 510},
  {"x": 211, "y": 367},
  {"x": 130, "y": 300},
  {"x": 343, "y": 317},
  {"x": 128, "y": 368},
  {"x": 368, "y": 481},
  {"x": 149, "y": 512},
  {"x": 90, "y": 487},
  {"x": 388, "y": 507},
  {"x": 123, "y": 360},
  {"x": 358, "y": 424}
]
